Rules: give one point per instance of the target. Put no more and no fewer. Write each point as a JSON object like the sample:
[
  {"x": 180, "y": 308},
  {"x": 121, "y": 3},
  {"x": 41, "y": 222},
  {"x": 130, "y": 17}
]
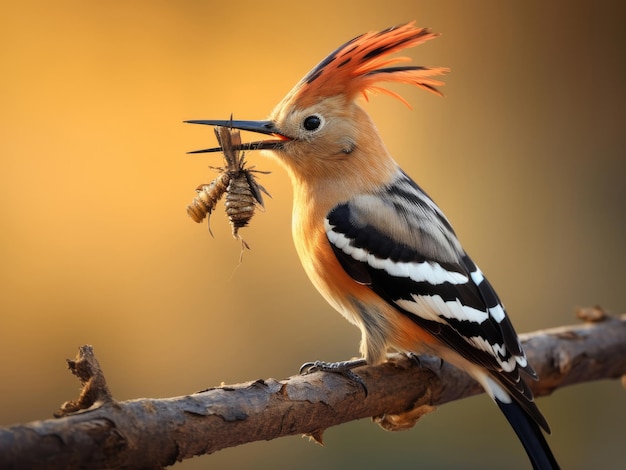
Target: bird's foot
[
  {"x": 414, "y": 358},
  {"x": 343, "y": 368}
]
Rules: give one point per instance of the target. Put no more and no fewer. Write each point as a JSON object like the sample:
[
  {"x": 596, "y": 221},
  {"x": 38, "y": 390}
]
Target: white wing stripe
[
  {"x": 477, "y": 276},
  {"x": 498, "y": 351},
  {"x": 433, "y": 307},
  {"x": 430, "y": 272},
  {"x": 497, "y": 313}
]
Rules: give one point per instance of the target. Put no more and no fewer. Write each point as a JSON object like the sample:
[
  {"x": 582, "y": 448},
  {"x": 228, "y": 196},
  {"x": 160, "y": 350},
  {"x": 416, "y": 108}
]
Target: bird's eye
[{"x": 312, "y": 123}]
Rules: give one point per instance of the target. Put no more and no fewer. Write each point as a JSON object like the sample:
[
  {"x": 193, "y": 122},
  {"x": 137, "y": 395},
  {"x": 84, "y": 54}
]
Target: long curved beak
[{"x": 261, "y": 127}]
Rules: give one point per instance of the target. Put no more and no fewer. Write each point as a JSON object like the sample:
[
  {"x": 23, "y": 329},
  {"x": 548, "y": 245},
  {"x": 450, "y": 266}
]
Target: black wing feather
[{"x": 412, "y": 211}]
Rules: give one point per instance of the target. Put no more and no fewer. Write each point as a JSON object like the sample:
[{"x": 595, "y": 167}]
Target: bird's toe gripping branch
[{"x": 343, "y": 368}]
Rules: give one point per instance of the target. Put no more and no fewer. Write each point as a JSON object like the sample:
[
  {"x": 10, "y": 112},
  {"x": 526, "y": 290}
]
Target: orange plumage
[{"x": 360, "y": 64}]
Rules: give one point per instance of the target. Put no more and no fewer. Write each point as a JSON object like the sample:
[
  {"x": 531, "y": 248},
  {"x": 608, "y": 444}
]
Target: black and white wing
[{"x": 399, "y": 243}]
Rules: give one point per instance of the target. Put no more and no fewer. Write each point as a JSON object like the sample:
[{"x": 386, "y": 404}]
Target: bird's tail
[
  {"x": 529, "y": 434},
  {"x": 517, "y": 404}
]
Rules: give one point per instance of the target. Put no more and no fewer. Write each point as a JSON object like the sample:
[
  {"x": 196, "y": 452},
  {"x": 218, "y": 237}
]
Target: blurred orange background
[{"x": 526, "y": 155}]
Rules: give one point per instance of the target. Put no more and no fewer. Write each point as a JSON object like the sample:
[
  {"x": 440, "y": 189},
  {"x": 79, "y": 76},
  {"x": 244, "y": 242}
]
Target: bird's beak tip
[{"x": 261, "y": 127}]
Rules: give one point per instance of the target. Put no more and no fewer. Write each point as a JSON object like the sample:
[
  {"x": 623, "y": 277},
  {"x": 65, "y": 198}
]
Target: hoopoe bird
[{"x": 378, "y": 249}]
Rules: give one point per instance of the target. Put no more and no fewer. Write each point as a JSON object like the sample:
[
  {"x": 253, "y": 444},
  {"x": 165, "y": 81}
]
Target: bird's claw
[
  {"x": 343, "y": 368},
  {"x": 414, "y": 358}
]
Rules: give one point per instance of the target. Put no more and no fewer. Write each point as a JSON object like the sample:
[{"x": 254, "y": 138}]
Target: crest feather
[{"x": 360, "y": 64}]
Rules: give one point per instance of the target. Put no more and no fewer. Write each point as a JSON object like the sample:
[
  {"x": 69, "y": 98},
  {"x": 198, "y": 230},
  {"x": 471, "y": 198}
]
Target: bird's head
[{"x": 319, "y": 128}]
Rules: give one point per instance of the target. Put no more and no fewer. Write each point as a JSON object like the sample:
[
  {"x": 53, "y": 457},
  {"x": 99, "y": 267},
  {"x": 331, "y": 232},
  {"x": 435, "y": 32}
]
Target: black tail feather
[{"x": 530, "y": 435}]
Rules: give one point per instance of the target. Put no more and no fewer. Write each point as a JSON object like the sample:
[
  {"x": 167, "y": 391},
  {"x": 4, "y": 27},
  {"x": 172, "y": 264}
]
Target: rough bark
[{"x": 95, "y": 431}]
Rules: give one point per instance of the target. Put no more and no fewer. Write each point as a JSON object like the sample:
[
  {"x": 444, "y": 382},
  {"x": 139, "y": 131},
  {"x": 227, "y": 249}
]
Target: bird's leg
[{"x": 343, "y": 368}]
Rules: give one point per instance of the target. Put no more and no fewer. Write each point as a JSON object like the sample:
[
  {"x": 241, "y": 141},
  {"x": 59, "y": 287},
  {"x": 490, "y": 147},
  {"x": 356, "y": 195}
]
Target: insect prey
[{"x": 243, "y": 192}]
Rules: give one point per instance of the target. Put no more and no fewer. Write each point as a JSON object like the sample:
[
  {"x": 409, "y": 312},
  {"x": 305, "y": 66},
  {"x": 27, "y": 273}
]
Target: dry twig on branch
[{"x": 96, "y": 431}]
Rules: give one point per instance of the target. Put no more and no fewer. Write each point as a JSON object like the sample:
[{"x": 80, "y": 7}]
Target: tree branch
[{"x": 96, "y": 431}]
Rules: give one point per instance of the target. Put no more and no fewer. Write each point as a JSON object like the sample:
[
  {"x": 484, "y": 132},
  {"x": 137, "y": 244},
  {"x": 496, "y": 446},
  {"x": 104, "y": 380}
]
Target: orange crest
[{"x": 360, "y": 64}]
